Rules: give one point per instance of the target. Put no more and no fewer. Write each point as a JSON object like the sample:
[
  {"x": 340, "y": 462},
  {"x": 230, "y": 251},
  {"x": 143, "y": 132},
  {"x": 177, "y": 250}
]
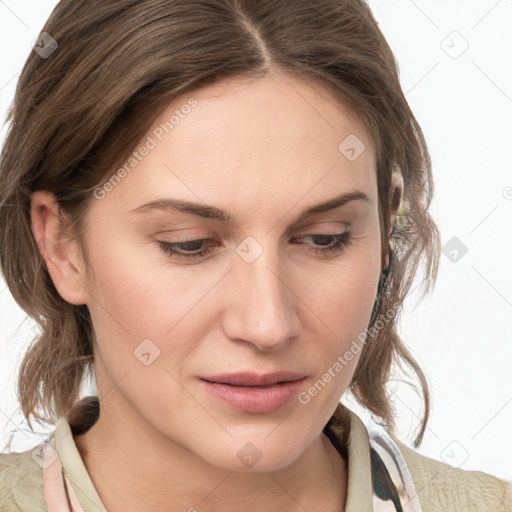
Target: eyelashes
[{"x": 331, "y": 244}]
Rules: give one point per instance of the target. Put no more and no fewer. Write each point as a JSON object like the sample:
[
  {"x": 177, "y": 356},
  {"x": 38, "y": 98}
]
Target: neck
[{"x": 134, "y": 467}]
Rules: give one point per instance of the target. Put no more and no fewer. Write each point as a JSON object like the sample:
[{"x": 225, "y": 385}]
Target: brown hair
[{"x": 79, "y": 113}]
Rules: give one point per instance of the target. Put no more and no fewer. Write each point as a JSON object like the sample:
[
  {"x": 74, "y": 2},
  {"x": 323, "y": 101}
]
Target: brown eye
[
  {"x": 341, "y": 241},
  {"x": 185, "y": 249}
]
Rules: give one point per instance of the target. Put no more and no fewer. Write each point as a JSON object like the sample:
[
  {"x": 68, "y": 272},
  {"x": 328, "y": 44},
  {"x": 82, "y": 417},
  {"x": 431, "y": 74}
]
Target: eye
[
  {"x": 339, "y": 241},
  {"x": 188, "y": 246},
  {"x": 192, "y": 249}
]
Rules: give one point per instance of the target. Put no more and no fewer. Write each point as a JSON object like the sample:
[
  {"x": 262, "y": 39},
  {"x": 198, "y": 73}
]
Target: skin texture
[{"x": 264, "y": 150}]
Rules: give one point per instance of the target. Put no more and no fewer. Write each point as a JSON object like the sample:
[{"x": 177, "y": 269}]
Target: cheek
[
  {"x": 137, "y": 296},
  {"x": 342, "y": 295},
  {"x": 142, "y": 332},
  {"x": 341, "y": 301},
  {"x": 345, "y": 310}
]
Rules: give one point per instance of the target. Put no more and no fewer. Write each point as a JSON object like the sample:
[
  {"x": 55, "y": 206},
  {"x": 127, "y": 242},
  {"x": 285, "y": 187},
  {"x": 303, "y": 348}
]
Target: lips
[
  {"x": 252, "y": 393},
  {"x": 249, "y": 379}
]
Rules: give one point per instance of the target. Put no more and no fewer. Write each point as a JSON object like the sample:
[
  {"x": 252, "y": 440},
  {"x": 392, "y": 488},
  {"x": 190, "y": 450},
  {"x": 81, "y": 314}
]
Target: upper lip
[{"x": 254, "y": 379}]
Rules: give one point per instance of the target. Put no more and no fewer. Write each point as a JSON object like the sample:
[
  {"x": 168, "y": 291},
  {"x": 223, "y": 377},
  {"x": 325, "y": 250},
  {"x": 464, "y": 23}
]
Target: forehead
[
  {"x": 277, "y": 107},
  {"x": 245, "y": 142}
]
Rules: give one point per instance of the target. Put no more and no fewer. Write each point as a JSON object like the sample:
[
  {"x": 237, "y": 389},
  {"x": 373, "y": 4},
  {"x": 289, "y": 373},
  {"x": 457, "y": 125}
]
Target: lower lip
[{"x": 254, "y": 399}]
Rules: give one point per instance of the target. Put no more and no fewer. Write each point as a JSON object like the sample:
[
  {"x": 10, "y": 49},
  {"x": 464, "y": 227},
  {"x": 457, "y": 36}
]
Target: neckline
[{"x": 359, "y": 493}]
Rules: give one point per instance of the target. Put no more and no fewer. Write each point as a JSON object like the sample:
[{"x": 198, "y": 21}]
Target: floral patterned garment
[{"x": 393, "y": 488}]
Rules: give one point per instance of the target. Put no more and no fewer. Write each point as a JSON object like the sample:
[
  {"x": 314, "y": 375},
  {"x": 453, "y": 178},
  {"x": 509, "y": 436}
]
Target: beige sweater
[{"x": 439, "y": 486}]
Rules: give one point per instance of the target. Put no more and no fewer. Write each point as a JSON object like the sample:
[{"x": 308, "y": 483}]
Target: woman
[{"x": 219, "y": 207}]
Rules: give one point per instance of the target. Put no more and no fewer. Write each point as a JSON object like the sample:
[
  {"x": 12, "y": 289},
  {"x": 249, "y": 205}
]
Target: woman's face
[{"x": 267, "y": 290}]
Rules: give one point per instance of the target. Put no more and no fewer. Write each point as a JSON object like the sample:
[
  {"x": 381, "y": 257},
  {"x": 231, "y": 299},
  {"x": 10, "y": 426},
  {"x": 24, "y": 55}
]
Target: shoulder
[
  {"x": 21, "y": 483},
  {"x": 441, "y": 487}
]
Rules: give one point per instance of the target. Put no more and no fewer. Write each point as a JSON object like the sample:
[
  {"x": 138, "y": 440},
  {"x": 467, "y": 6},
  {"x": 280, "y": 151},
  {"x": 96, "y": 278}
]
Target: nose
[{"x": 262, "y": 305}]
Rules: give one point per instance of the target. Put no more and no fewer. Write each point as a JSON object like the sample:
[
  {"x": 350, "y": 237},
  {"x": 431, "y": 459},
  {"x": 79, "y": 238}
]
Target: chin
[{"x": 244, "y": 455}]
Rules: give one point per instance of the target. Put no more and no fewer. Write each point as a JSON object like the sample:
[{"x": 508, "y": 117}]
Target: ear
[
  {"x": 395, "y": 198},
  {"x": 62, "y": 256}
]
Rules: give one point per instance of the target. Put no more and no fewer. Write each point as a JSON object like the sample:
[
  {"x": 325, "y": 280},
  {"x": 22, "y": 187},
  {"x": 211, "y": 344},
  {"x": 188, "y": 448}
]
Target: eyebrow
[{"x": 212, "y": 212}]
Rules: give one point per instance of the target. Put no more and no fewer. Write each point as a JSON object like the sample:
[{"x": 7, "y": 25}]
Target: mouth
[
  {"x": 249, "y": 379},
  {"x": 253, "y": 387},
  {"x": 253, "y": 393}
]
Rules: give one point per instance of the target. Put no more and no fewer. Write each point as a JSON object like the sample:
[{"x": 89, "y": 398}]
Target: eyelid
[
  {"x": 198, "y": 232},
  {"x": 342, "y": 241},
  {"x": 208, "y": 234},
  {"x": 205, "y": 232},
  {"x": 315, "y": 229}
]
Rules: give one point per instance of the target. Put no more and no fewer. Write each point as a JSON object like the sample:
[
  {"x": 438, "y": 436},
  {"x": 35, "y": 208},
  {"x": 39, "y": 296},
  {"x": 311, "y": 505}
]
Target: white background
[{"x": 462, "y": 333}]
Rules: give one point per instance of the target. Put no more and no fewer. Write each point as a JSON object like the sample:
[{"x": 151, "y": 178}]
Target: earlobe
[
  {"x": 394, "y": 201},
  {"x": 59, "y": 254}
]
